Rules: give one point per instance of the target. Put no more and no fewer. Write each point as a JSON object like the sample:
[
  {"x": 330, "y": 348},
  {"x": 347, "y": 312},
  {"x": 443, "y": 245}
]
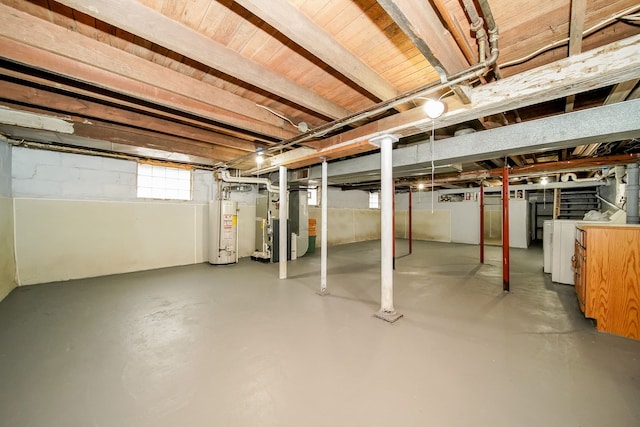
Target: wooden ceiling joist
[
  {"x": 69, "y": 88},
  {"x": 144, "y": 22},
  {"x": 421, "y": 24},
  {"x": 576, "y": 27},
  {"x": 146, "y": 139},
  {"x": 40, "y": 44},
  {"x": 44, "y": 101},
  {"x": 288, "y": 20},
  {"x": 617, "y": 62}
]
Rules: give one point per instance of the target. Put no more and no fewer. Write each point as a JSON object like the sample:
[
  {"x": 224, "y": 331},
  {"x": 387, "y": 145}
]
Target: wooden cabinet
[
  {"x": 579, "y": 267},
  {"x": 607, "y": 276}
]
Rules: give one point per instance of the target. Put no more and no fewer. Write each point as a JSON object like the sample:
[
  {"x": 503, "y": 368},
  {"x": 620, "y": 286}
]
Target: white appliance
[
  {"x": 547, "y": 245},
  {"x": 223, "y": 232},
  {"x": 563, "y": 247}
]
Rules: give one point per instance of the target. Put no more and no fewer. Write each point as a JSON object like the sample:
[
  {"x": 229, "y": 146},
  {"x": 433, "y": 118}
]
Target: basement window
[
  {"x": 162, "y": 182},
  {"x": 374, "y": 200}
]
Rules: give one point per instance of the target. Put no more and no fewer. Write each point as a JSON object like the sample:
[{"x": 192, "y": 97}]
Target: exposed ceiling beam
[
  {"x": 97, "y": 134},
  {"x": 288, "y": 20},
  {"x": 45, "y": 100},
  {"x": 143, "y": 138},
  {"x": 611, "y": 64},
  {"x": 456, "y": 31},
  {"x": 73, "y": 89},
  {"x": 43, "y": 45},
  {"x": 606, "y": 123},
  {"x": 144, "y": 22},
  {"x": 576, "y": 27},
  {"x": 420, "y": 23}
]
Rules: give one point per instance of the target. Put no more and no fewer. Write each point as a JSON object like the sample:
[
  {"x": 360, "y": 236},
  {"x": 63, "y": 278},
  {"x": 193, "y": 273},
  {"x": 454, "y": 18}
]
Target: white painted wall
[
  {"x": 78, "y": 216},
  {"x": 68, "y": 239},
  {"x": 349, "y": 218},
  {"x": 458, "y": 222},
  {"x": 7, "y": 254},
  {"x": 519, "y": 223}
]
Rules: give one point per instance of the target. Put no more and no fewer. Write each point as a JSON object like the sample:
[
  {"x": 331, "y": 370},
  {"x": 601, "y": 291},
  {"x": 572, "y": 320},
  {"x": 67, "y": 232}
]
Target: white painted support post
[
  {"x": 282, "y": 234},
  {"x": 386, "y": 312},
  {"x": 323, "y": 230}
]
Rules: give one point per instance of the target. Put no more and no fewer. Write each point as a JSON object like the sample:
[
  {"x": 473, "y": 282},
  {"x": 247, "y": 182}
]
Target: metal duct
[{"x": 226, "y": 177}]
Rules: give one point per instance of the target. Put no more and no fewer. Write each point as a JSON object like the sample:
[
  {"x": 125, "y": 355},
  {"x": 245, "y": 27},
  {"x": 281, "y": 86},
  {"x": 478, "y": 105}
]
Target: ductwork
[
  {"x": 572, "y": 176},
  {"x": 226, "y": 177}
]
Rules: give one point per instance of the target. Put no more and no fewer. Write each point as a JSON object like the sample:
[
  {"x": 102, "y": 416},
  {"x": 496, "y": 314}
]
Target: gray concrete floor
[{"x": 209, "y": 345}]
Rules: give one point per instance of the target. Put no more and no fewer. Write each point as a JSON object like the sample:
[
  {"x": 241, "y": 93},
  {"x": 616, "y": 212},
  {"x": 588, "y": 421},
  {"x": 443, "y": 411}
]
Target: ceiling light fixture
[
  {"x": 433, "y": 108},
  {"x": 259, "y": 157}
]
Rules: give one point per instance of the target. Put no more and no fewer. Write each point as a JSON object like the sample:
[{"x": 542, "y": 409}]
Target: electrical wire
[
  {"x": 629, "y": 12},
  {"x": 275, "y": 113}
]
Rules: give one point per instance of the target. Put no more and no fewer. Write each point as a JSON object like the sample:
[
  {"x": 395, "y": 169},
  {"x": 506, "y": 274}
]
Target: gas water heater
[{"x": 223, "y": 232}]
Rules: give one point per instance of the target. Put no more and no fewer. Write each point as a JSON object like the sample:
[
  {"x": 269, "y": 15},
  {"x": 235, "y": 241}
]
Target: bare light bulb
[
  {"x": 259, "y": 158},
  {"x": 433, "y": 108}
]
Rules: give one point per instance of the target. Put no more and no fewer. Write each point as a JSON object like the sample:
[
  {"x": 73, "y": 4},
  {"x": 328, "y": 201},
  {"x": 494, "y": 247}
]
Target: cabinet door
[{"x": 580, "y": 272}]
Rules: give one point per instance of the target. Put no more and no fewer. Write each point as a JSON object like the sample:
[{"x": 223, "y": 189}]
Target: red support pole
[
  {"x": 410, "y": 221},
  {"x": 482, "y": 223},
  {"x": 505, "y": 229}
]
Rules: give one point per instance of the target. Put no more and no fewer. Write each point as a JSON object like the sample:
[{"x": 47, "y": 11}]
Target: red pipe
[
  {"x": 482, "y": 223},
  {"x": 505, "y": 229},
  {"x": 410, "y": 221}
]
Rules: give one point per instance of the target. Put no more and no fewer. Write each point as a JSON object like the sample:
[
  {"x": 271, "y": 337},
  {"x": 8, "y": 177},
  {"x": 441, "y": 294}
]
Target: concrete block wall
[
  {"x": 50, "y": 174},
  {"x": 79, "y": 216},
  {"x": 7, "y": 250}
]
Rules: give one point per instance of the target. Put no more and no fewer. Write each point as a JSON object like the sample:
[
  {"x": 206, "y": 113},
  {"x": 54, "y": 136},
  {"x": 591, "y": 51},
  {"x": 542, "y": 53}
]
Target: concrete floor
[{"x": 209, "y": 345}]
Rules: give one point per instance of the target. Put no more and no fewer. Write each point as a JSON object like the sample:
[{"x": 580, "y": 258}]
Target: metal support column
[
  {"x": 282, "y": 235},
  {"x": 393, "y": 222},
  {"x": 505, "y": 229},
  {"x": 410, "y": 221},
  {"x": 386, "y": 312},
  {"x": 482, "y": 223},
  {"x": 323, "y": 230}
]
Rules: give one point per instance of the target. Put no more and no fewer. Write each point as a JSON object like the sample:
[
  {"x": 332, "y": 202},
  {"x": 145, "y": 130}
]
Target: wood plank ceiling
[{"x": 212, "y": 81}]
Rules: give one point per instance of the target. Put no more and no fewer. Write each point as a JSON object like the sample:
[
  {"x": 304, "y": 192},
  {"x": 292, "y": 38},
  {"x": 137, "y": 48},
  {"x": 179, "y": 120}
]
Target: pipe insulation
[{"x": 633, "y": 187}]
